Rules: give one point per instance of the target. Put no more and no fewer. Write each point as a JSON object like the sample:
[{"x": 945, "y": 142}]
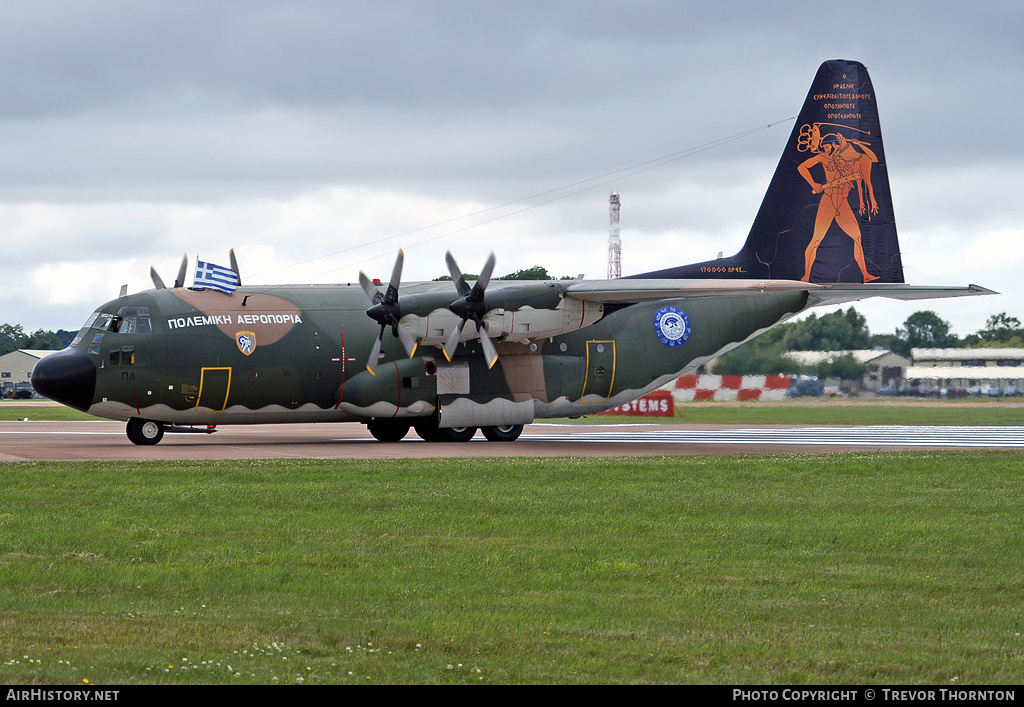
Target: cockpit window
[{"x": 128, "y": 320}]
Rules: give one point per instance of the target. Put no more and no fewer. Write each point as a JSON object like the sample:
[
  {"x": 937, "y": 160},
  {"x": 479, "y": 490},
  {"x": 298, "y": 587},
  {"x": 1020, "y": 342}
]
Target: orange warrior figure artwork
[{"x": 847, "y": 164}]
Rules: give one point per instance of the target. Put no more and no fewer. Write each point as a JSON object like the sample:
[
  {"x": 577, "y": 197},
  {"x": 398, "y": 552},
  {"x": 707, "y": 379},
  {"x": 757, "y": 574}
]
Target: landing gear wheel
[
  {"x": 456, "y": 434},
  {"x": 428, "y": 430},
  {"x": 388, "y": 430},
  {"x": 502, "y": 433},
  {"x": 144, "y": 432}
]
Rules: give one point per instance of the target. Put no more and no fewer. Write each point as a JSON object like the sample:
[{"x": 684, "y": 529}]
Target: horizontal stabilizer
[{"x": 837, "y": 294}]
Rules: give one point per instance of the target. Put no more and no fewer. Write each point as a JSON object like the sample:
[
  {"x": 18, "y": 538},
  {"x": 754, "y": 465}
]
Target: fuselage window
[{"x": 122, "y": 356}]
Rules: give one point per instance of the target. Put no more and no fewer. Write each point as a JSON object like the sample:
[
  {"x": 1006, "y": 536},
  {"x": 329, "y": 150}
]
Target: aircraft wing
[{"x": 627, "y": 291}]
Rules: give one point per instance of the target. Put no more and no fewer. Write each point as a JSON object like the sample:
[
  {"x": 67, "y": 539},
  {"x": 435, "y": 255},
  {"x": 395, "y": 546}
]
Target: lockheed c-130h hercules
[{"x": 497, "y": 355}]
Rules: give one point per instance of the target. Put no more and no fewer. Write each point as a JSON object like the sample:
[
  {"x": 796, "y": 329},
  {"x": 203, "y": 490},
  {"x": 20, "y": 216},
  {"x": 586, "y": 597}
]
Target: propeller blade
[
  {"x": 453, "y": 341},
  {"x": 408, "y": 341},
  {"x": 180, "y": 281},
  {"x": 485, "y": 274},
  {"x": 371, "y": 363},
  {"x": 370, "y": 289},
  {"x": 490, "y": 353},
  {"x": 157, "y": 282},
  {"x": 234, "y": 266},
  {"x": 396, "y": 279},
  {"x": 460, "y": 283}
]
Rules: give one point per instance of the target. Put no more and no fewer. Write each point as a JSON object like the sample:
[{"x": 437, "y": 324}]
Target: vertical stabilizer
[{"x": 827, "y": 216}]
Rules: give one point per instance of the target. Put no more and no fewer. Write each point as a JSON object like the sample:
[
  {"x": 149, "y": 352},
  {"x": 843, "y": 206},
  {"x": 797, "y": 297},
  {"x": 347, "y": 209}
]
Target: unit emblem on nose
[{"x": 246, "y": 341}]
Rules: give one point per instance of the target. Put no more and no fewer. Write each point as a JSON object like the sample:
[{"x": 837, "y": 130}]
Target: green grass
[
  {"x": 841, "y": 569},
  {"x": 13, "y": 410}
]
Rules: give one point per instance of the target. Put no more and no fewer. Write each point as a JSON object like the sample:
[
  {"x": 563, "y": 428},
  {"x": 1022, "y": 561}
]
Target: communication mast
[{"x": 614, "y": 243}]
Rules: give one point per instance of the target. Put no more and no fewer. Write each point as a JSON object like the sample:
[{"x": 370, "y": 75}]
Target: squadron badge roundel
[
  {"x": 672, "y": 326},
  {"x": 246, "y": 341}
]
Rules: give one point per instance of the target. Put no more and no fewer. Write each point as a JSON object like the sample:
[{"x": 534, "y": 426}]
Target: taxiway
[{"x": 101, "y": 440}]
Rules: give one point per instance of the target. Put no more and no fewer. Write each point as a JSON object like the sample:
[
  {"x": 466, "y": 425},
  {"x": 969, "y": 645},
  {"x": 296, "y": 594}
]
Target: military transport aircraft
[{"x": 177, "y": 359}]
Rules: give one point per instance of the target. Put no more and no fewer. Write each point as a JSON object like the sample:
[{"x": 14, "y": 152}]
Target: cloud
[{"x": 317, "y": 137}]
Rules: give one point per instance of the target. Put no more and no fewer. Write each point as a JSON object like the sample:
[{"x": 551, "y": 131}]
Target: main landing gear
[{"x": 394, "y": 430}]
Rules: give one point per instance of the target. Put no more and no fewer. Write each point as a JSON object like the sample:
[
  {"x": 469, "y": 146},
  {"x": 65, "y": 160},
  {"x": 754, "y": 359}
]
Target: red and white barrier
[{"x": 694, "y": 388}]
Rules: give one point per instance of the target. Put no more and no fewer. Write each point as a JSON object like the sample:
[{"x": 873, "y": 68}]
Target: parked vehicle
[
  {"x": 23, "y": 391},
  {"x": 803, "y": 385}
]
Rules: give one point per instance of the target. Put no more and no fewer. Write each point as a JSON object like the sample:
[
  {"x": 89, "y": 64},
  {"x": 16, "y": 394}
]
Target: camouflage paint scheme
[
  {"x": 174, "y": 357},
  {"x": 309, "y": 360}
]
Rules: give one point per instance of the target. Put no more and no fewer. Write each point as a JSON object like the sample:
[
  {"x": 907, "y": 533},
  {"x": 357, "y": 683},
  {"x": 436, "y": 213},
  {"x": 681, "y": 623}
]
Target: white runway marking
[{"x": 875, "y": 436}]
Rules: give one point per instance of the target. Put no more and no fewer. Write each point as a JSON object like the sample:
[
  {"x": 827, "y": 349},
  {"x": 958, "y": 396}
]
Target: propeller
[
  {"x": 234, "y": 266},
  {"x": 158, "y": 282},
  {"x": 470, "y": 307},
  {"x": 387, "y": 311},
  {"x": 180, "y": 280}
]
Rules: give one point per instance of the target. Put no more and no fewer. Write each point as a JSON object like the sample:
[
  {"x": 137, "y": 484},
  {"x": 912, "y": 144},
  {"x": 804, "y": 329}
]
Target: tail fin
[{"x": 827, "y": 216}]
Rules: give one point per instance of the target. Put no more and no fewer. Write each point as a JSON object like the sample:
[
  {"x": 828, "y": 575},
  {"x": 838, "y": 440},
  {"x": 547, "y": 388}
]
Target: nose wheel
[{"x": 144, "y": 432}]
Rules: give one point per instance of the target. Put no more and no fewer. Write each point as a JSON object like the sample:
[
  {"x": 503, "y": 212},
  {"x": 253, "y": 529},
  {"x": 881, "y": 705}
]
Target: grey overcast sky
[{"x": 317, "y": 137}]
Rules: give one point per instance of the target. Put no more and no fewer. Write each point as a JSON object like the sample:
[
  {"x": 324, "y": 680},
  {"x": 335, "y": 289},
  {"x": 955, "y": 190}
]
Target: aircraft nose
[{"x": 67, "y": 377}]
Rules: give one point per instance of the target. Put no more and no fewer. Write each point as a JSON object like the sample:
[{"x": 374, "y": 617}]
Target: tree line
[
  {"x": 13, "y": 337},
  {"x": 848, "y": 331}
]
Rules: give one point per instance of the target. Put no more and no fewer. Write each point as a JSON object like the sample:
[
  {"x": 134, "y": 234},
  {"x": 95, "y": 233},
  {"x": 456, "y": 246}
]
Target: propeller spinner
[
  {"x": 470, "y": 307},
  {"x": 386, "y": 311}
]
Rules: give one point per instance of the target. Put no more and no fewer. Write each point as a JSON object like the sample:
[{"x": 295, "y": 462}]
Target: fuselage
[{"x": 298, "y": 354}]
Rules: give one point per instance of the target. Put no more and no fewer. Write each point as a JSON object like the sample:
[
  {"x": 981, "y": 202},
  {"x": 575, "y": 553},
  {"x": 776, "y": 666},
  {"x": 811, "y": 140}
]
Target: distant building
[
  {"x": 884, "y": 367},
  {"x": 16, "y": 367},
  {"x": 968, "y": 368}
]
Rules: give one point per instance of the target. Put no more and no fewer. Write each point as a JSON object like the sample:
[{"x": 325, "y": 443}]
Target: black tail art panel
[{"x": 827, "y": 216}]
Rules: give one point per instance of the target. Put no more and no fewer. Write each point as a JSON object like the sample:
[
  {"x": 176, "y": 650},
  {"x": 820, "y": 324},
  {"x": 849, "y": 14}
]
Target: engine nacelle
[{"x": 520, "y": 325}]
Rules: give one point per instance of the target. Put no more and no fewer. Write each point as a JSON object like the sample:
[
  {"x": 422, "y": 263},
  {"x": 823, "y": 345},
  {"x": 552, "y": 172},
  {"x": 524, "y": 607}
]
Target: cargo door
[
  {"x": 600, "y": 374},
  {"x": 214, "y": 387}
]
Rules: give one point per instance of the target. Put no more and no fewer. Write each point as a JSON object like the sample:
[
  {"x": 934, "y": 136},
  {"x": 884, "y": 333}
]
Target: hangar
[
  {"x": 16, "y": 367},
  {"x": 981, "y": 371}
]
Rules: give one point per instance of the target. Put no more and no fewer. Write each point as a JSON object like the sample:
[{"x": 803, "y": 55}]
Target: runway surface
[{"x": 22, "y": 441}]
